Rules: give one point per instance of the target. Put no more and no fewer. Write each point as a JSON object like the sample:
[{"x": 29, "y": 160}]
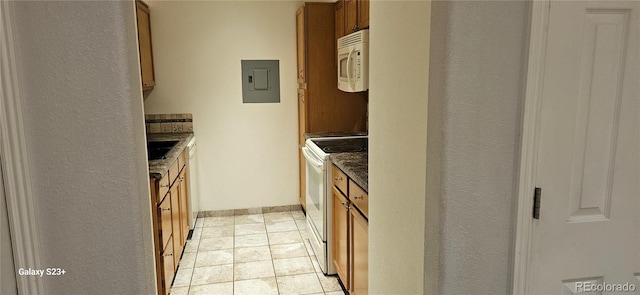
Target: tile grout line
[
  {"x": 233, "y": 261},
  {"x": 271, "y": 254},
  {"x": 269, "y": 244}
]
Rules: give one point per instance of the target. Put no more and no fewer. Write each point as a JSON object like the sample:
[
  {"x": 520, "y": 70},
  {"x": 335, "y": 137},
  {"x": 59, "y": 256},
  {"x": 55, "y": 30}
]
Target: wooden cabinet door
[
  {"x": 302, "y": 116},
  {"x": 164, "y": 221},
  {"x": 340, "y": 24},
  {"x": 175, "y": 223},
  {"x": 168, "y": 267},
  {"x": 359, "y": 198},
  {"x": 184, "y": 207},
  {"x": 300, "y": 39},
  {"x": 302, "y": 129},
  {"x": 144, "y": 43},
  {"x": 303, "y": 180},
  {"x": 363, "y": 14},
  {"x": 359, "y": 228},
  {"x": 340, "y": 235},
  {"x": 351, "y": 16}
]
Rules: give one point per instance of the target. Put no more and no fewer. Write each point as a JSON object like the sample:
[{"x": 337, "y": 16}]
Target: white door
[{"x": 588, "y": 233}]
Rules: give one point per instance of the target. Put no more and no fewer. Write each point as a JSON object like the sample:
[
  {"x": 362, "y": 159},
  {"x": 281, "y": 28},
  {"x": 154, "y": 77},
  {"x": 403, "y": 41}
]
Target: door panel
[
  {"x": 184, "y": 207},
  {"x": 340, "y": 235},
  {"x": 300, "y": 44},
  {"x": 340, "y": 24},
  {"x": 588, "y": 160},
  {"x": 302, "y": 116},
  {"x": 597, "y": 114},
  {"x": 175, "y": 223},
  {"x": 303, "y": 179},
  {"x": 351, "y": 14},
  {"x": 146, "y": 54},
  {"x": 363, "y": 14},
  {"x": 359, "y": 253}
]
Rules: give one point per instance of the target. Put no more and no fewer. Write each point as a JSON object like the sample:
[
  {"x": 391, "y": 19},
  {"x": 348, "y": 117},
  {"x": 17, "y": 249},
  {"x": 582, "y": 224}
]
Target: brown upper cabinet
[
  {"x": 300, "y": 46},
  {"x": 321, "y": 106},
  {"x": 144, "y": 46},
  {"x": 340, "y": 31},
  {"x": 351, "y": 16}
]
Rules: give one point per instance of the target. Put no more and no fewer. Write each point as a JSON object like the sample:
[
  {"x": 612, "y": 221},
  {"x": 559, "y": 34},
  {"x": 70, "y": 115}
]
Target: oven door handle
[{"x": 311, "y": 159}]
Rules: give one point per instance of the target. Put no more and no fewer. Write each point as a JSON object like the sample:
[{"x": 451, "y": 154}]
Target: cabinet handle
[
  {"x": 346, "y": 207},
  {"x": 355, "y": 28},
  {"x": 181, "y": 178},
  {"x": 338, "y": 178},
  {"x": 358, "y": 197},
  {"x": 166, "y": 209},
  {"x": 169, "y": 255},
  {"x": 164, "y": 185}
]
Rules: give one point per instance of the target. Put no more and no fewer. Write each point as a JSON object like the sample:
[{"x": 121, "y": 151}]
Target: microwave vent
[{"x": 361, "y": 36}]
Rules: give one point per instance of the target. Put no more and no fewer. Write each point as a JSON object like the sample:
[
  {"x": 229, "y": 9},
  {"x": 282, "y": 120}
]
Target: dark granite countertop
[
  {"x": 333, "y": 134},
  {"x": 355, "y": 165},
  {"x": 159, "y": 168}
]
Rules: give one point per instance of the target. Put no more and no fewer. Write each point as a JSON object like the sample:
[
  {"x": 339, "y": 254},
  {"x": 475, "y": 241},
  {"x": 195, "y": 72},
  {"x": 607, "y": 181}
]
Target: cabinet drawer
[
  {"x": 359, "y": 198},
  {"x": 164, "y": 220},
  {"x": 163, "y": 188},
  {"x": 339, "y": 179},
  {"x": 181, "y": 160},
  {"x": 173, "y": 171}
]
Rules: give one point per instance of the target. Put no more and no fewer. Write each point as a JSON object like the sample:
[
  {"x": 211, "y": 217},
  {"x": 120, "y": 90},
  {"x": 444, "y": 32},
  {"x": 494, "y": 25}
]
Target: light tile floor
[{"x": 252, "y": 254}]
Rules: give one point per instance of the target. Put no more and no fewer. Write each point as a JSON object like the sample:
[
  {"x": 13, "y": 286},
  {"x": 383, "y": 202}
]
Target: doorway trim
[
  {"x": 529, "y": 145},
  {"x": 14, "y": 160}
]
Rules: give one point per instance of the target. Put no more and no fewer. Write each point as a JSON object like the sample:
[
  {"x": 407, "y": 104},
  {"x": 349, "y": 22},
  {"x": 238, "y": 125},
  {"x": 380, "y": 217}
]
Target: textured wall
[
  {"x": 86, "y": 144},
  {"x": 248, "y": 152},
  {"x": 444, "y": 184},
  {"x": 476, "y": 86},
  {"x": 7, "y": 269},
  {"x": 399, "y": 71}
]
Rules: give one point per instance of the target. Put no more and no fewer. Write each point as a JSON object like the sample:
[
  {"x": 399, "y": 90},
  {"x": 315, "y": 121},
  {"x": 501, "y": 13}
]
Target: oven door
[{"x": 315, "y": 191}]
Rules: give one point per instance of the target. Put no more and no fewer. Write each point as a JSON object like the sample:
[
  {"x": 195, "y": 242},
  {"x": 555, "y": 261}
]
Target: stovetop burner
[{"x": 343, "y": 145}]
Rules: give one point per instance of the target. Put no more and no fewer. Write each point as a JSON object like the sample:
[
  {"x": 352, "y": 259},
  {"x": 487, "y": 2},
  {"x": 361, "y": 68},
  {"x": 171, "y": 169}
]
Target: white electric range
[{"x": 318, "y": 191}]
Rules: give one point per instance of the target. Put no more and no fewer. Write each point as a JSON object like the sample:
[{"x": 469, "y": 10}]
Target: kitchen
[
  {"x": 211, "y": 93},
  {"x": 397, "y": 123}
]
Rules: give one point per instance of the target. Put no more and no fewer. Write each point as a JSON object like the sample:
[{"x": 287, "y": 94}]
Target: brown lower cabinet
[
  {"x": 350, "y": 233},
  {"x": 341, "y": 235},
  {"x": 168, "y": 265},
  {"x": 359, "y": 241},
  {"x": 170, "y": 223}
]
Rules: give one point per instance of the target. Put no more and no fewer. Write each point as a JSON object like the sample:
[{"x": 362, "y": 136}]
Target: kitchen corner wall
[
  {"x": 247, "y": 152},
  {"x": 84, "y": 127},
  {"x": 399, "y": 71},
  {"x": 443, "y": 164},
  {"x": 478, "y": 65}
]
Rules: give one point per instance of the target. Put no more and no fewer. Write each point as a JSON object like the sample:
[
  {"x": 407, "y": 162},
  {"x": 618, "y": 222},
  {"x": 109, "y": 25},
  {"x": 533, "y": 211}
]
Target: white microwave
[{"x": 353, "y": 62}]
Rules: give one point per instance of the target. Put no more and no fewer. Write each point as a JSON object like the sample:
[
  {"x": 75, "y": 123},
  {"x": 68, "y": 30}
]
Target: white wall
[
  {"x": 399, "y": 72},
  {"x": 86, "y": 144},
  {"x": 247, "y": 152},
  {"x": 444, "y": 184},
  {"x": 8, "y": 285},
  {"x": 480, "y": 92}
]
